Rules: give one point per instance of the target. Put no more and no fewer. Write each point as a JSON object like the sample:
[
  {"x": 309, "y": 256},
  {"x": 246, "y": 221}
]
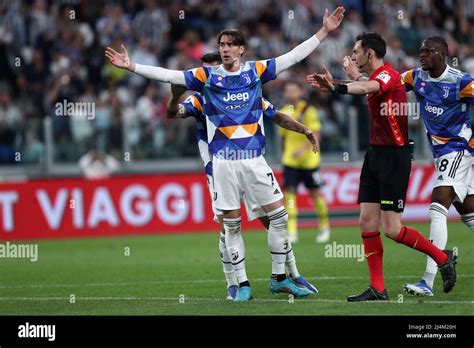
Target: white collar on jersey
[
  {"x": 440, "y": 77},
  {"x": 230, "y": 73}
]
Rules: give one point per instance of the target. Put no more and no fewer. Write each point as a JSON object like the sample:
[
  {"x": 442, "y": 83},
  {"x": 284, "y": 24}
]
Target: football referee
[{"x": 387, "y": 164}]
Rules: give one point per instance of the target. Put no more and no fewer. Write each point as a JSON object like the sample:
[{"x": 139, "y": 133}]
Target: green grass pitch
[{"x": 182, "y": 275}]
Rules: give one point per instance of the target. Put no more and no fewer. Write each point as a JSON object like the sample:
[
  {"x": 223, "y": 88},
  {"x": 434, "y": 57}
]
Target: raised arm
[
  {"x": 122, "y": 60},
  {"x": 300, "y": 52},
  {"x": 285, "y": 121}
]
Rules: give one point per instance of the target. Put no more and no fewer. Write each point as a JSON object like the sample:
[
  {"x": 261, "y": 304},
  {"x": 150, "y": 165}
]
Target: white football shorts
[
  {"x": 470, "y": 187},
  {"x": 454, "y": 169},
  {"x": 251, "y": 178},
  {"x": 251, "y": 214}
]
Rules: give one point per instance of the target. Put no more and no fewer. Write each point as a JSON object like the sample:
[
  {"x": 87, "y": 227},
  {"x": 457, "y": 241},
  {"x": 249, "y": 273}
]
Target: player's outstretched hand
[
  {"x": 331, "y": 22},
  {"x": 120, "y": 60},
  {"x": 350, "y": 68},
  {"x": 323, "y": 82},
  {"x": 313, "y": 140}
]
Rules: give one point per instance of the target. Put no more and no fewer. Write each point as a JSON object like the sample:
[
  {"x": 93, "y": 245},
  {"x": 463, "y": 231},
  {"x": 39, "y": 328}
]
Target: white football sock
[
  {"x": 226, "y": 264},
  {"x": 468, "y": 220},
  {"x": 438, "y": 236},
  {"x": 235, "y": 247},
  {"x": 290, "y": 263},
  {"x": 277, "y": 239}
]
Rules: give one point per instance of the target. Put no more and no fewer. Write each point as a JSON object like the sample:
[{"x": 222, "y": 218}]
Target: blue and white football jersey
[
  {"x": 232, "y": 103},
  {"x": 444, "y": 105},
  {"x": 194, "y": 107}
]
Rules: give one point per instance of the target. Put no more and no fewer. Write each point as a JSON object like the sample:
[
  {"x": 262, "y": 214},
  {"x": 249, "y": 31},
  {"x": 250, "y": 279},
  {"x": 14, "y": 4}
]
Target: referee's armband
[{"x": 340, "y": 88}]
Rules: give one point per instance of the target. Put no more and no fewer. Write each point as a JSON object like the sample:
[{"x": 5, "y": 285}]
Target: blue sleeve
[
  {"x": 266, "y": 70},
  {"x": 269, "y": 110},
  {"x": 196, "y": 78},
  {"x": 467, "y": 89},
  {"x": 193, "y": 105}
]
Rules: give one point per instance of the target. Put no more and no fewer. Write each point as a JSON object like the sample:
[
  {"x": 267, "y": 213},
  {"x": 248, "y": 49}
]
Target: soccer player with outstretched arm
[
  {"x": 232, "y": 97},
  {"x": 192, "y": 107},
  {"x": 387, "y": 165}
]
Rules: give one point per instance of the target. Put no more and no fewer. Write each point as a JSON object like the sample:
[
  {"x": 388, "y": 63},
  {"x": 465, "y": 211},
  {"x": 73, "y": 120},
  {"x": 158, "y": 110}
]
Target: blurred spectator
[
  {"x": 98, "y": 165},
  {"x": 115, "y": 131},
  {"x": 7, "y": 143},
  {"x": 410, "y": 36},
  {"x": 296, "y": 20},
  {"x": 392, "y": 12},
  {"x": 32, "y": 80},
  {"x": 333, "y": 50},
  {"x": 40, "y": 21},
  {"x": 113, "y": 24},
  {"x": 151, "y": 25},
  {"x": 12, "y": 24},
  {"x": 144, "y": 55},
  {"x": 9, "y": 113},
  {"x": 191, "y": 46},
  {"x": 54, "y": 51},
  {"x": 396, "y": 56},
  {"x": 425, "y": 24},
  {"x": 353, "y": 25},
  {"x": 82, "y": 126}
]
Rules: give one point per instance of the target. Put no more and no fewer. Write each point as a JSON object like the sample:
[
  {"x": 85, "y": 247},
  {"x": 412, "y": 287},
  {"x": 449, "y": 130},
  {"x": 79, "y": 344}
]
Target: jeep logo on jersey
[
  {"x": 434, "y": 110},
  {"x": 236, "y": 96}
]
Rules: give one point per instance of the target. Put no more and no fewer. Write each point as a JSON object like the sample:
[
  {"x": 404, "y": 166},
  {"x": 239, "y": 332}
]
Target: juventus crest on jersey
[{"x": 232, "y": 103}]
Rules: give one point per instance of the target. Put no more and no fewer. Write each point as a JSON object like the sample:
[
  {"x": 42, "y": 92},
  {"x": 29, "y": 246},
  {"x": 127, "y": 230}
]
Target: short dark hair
[
  {"x": 440, "y": 41},
  {"x": 238, "y": 38},
  {"x": 373, "y": 41},
  {"x": 211, "y": 58}
]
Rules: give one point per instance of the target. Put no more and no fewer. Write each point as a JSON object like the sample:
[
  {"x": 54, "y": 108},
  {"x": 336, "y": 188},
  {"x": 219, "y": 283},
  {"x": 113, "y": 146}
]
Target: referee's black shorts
[{"x": 384, "y": 177}]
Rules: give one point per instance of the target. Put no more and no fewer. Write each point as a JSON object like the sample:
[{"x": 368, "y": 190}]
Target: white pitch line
[
  {"x": 195, "y": 281},
  {"x": 177, "y": 299}
]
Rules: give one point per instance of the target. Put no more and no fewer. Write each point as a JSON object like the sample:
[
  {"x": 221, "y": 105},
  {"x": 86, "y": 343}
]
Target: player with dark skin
[{"x": 433, "y": 59}]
